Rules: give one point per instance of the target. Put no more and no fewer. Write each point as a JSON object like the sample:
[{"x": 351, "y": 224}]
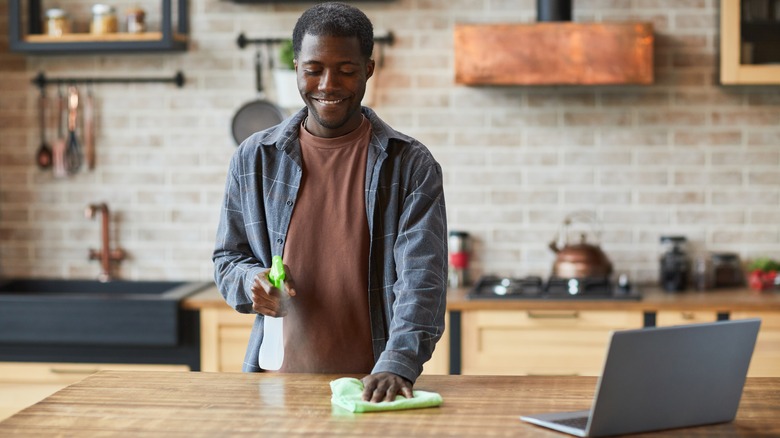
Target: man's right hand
[{"x": 269, "y": 300}]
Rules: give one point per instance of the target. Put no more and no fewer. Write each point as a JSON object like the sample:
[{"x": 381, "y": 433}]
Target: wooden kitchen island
[{"x": 138, "y": 403}]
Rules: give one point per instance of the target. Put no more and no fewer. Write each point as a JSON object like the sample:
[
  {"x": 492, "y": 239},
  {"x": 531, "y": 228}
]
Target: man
[{"x": 357, "y": 211}]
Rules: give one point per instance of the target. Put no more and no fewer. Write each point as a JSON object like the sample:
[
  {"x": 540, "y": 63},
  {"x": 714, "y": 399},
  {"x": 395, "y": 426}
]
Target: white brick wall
[{"x": 684, "y": 155}]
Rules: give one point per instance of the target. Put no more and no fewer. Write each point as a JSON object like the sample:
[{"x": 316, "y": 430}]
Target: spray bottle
[{"x": 272, "y": 347}]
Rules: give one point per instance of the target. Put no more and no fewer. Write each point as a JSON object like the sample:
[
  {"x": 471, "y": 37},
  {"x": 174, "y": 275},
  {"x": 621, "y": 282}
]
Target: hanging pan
[{"x": 258, "y": 114}]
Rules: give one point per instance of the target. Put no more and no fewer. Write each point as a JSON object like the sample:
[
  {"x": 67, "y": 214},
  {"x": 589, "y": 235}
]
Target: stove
[{"x": 531, "y": 287}]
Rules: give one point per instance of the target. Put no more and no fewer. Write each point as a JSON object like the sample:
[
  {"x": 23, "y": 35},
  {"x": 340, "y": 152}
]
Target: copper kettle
[{"x": 579, "y": 260}]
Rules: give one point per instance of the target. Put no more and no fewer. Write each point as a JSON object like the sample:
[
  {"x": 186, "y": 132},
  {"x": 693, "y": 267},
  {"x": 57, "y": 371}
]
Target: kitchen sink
[{"x": 89, "y": 312}]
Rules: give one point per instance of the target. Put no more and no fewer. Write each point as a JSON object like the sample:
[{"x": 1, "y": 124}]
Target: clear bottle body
[{"x": 272, "y": 347}]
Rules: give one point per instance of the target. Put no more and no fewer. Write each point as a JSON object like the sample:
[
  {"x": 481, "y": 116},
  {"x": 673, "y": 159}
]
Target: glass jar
[
  {"x": 57, "y": 22},
  {"x": 103, "y": 19},
  {"x": 702, "y": 272},
  {"x": 135, "y": 20},
  {"x": 674, "y": 264},
  {"x": 727, "y": 270},
  {"x": 459, "y": 248}
]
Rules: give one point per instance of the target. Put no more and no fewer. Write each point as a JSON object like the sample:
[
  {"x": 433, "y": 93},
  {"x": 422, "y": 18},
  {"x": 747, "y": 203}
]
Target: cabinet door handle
[
  {"x": 553, "y": 315},
  {"x": 73, "y": 371},
  {"x": 553, "y": 374},
  {"x": 688, "y": 315}
]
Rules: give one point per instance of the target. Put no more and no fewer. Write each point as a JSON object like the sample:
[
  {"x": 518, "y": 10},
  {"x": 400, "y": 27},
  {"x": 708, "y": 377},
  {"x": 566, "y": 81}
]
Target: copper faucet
[{"x": 106, "y": 255}]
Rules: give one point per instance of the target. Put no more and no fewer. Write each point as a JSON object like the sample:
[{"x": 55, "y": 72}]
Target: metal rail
[
  {"x": 41, "y": 80},
  {"x": 244, "y": 41}
]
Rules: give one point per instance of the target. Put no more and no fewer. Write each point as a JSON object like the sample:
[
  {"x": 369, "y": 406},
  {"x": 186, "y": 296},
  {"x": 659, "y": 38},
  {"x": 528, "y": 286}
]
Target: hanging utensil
[
  {"x": 43, "y": 157},
  {"x": 258, "y": 114},
  {"x": 58, "y": 145},
  {"x": 89, "y": 129},
  {"x": 73, "y": 149}
]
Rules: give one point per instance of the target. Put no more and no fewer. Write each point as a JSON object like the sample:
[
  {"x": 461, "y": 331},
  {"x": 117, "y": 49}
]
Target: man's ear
[{"x": 370, "y": 68}]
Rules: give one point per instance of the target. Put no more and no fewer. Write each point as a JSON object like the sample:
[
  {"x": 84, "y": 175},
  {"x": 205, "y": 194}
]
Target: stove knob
[
  {"x": 623, "y": 284},
  {"x": 574, "y": 286}
]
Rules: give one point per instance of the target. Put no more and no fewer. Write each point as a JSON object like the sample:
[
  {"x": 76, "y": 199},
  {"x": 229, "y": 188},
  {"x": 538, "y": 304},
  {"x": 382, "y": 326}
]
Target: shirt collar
[{"x": 286, "y": 133}]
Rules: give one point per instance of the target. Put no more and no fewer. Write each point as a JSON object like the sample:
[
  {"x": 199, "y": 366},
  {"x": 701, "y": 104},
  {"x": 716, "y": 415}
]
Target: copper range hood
[{"x": 554, "y": 51}]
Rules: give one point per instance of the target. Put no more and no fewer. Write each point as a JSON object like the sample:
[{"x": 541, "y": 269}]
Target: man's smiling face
[{"x": 332, "y": 75}]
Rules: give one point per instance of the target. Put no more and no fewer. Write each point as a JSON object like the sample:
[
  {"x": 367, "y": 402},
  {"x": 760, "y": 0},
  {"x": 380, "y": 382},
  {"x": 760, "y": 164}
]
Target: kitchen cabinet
[
  {"x": 26, "y": 35},
  {"x": 766, "y": 356},
  {"x": 749, "y": 42},
  {"x": 680, "y": 317},
  {"x": 540, "y": 342},
  {"x": 534, "y": 337},
  {"x": 25, "y": 383},
  {"x": 224, "y": 335}
]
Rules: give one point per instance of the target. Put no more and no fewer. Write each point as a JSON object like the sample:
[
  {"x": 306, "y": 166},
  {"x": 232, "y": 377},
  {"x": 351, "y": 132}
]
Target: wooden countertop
[
  {"x": 228, "y": 404},
  {"x": 653, "y": 299}
]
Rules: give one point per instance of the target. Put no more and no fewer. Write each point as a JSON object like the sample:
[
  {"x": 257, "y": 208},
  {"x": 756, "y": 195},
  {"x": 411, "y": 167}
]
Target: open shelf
[
  {"x": 90, "y": 38},
  {"x": 28, "y": 39}
]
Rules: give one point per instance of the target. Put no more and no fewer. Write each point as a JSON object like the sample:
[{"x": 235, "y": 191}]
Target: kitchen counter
[
  {"x": 529, "y": 336},
  {"x": 228, "y": 404},
  {"x": 653, "y": 299}
]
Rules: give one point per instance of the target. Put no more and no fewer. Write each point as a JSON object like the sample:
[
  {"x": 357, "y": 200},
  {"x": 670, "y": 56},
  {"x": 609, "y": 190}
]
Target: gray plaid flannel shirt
[{"x": 407, "y": 223}]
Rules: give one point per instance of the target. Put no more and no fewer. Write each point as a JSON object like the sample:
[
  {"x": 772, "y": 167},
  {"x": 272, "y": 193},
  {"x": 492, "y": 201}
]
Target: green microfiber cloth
[{"x": 348, "y": 394}]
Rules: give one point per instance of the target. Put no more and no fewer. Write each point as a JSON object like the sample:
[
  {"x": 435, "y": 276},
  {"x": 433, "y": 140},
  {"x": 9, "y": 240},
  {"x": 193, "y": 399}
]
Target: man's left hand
[{"x": 385, "y": 387}]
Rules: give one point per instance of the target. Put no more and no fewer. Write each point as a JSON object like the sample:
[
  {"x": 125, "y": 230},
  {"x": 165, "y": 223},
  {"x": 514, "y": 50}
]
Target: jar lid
[
  {"x": 56, "y": 13},
  {"x": 101, "y": 9},
  {"x": 135, "y": 11},
  {"x": 675, "y": 239},
  {"x": 725, "y": 257}
]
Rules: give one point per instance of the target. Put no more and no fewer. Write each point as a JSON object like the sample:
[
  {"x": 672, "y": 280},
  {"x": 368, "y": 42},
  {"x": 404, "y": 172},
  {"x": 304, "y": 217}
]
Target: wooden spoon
[{"x": 44, "y": 155}]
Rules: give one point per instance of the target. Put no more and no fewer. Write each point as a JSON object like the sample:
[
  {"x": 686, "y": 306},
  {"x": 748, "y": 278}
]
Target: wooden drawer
[
  {"x": 440, "y": 361},
  {"x": 67, "y": 373},
  {"x": 565, "y": 342},
  {"x": 679, "y": 317},
  {"x": 224, "y": 335},
  {"x": 766, "y": 356}
]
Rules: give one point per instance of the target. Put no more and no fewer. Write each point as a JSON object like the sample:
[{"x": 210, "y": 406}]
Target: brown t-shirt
[{"x": 327, "y": 328}]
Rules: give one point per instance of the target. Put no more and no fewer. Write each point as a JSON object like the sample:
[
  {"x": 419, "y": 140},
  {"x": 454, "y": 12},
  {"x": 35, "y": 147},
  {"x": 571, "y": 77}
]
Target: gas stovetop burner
[
  {"x": 532, "y": 287},
  {"x": 511, "y": 286}
]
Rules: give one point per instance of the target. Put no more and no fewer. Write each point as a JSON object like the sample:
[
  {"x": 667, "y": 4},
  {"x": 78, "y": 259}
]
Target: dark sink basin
[{"x": 88, "y": 312}]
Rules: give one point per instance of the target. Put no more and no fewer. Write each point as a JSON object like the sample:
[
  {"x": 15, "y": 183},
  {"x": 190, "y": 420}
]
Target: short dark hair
[{"x": 335, "y": 19}]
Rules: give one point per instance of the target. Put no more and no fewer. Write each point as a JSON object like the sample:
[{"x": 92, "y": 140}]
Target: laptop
[{"x": 664, "y": 378}]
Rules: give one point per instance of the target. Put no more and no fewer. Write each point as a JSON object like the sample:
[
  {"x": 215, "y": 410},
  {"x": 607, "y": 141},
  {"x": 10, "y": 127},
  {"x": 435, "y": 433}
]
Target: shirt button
[
  {"x": 279, "y": 240},
  {"x": 289, "y": 202}
]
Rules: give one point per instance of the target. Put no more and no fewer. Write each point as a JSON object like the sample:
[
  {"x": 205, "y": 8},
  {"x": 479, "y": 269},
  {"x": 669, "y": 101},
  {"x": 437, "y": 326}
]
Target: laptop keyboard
[{"x": 576, "y": 422}]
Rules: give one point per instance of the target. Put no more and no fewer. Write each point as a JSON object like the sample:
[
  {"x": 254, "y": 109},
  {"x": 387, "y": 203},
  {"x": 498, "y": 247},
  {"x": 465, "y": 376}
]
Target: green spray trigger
[{"x": 276, "y": 276}]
